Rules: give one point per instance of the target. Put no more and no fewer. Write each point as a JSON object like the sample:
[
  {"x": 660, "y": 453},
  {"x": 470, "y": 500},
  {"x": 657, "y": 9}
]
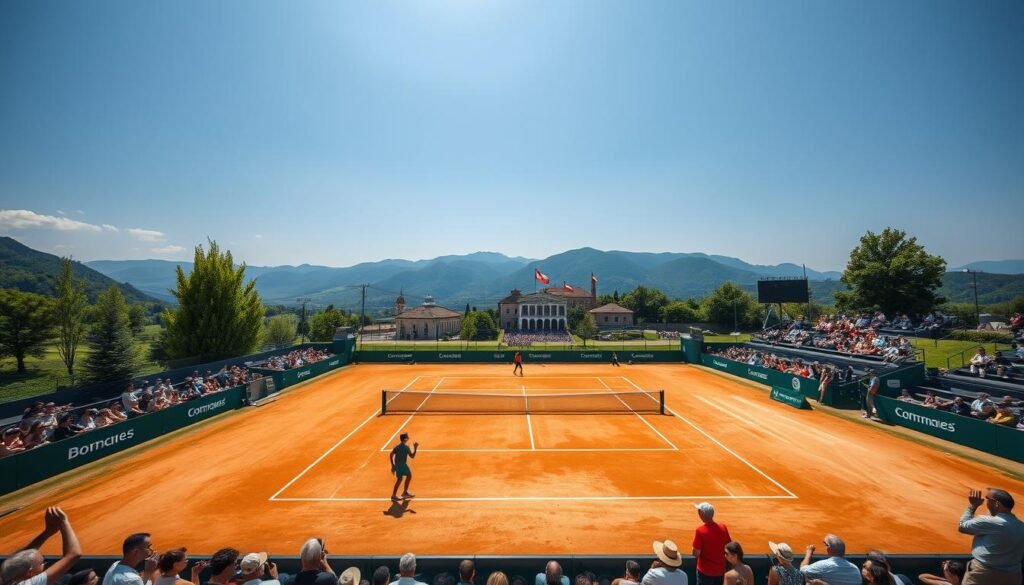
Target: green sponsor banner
[
  {"x": 505, "y": 356},
  {"x": 965, "y": 430},
  {"x": 202, "y": 408},
  {"x": 805, "y": 386},
  {"x": 790, "y": 397}
]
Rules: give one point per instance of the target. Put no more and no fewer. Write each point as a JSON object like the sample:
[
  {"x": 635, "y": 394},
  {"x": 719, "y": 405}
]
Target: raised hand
[{"x": 974, "y": 498}]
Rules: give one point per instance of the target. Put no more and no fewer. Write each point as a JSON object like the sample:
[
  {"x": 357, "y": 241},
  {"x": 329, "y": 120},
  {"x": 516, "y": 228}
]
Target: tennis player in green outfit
[{"x": 400, "y": 466}]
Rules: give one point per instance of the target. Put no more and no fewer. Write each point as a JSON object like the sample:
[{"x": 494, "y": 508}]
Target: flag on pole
[
  {"x": 593, "y": 279},
  {"x": 538, "y": 275},
  {"x": 566, "y": 286}
]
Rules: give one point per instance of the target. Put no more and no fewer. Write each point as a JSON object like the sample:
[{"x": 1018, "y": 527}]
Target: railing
[
  {"x": 438, "y": 345},
  {"x": 974, "y": 347}
]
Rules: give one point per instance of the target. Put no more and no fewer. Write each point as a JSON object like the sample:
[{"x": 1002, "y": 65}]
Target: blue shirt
[
  {"x": 998, "y": 540},
  {"x": 401, "y": 452},
  {"x": 834, "y": 571}
]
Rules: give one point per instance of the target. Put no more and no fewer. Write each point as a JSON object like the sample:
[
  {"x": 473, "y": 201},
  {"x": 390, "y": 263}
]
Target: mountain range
[{"x": 478, "y": 279}]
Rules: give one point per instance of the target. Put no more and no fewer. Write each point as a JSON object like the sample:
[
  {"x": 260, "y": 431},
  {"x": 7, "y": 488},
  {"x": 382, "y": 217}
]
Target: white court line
[
  {"x": 790, "y": 421},
  {"x": 717, "y": 442},
  {"x": 335, "y": 446},
  {"x": 656, "y": 431},
  {"x": 550, "y": 450},
  {"x": 741, "y": 419},
  {"x": 543, "y": 499},
  {"x": 418, "y": 407},
  {"x": 529, "y": 425}
]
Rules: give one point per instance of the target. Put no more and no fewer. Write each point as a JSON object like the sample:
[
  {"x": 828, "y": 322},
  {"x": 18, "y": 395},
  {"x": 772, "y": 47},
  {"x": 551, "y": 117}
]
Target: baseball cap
[
  {"x": 705, "y": 508},
  {"x": 252, "y": 562}
]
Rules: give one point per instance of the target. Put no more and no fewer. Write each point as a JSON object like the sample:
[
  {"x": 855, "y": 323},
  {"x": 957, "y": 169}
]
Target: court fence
[{"x": 529, "y": 356}]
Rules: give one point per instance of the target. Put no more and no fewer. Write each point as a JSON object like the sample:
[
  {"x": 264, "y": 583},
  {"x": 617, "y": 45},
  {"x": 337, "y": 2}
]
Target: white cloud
[
  {"x": 168, "y": 250},
  {"x": 79, "y": 212},
  {"x": 61, "y": 212},
  {"x": 23, "y": 218},
  {"x": 146, "y": 235},
  {"x": 109, "y": 228},
  {"x": 258, "y": 236}
]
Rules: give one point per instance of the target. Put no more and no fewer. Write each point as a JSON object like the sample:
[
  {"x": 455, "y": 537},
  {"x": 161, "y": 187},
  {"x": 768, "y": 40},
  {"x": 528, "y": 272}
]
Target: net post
[
  {"x": 383, "y": 402},
  {"x": 661, "y": 400}
]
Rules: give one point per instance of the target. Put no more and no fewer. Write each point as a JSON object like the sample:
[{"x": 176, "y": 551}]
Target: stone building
[
  {"x": 612, "y": 316},
  {"x": 427, "y": 321}
]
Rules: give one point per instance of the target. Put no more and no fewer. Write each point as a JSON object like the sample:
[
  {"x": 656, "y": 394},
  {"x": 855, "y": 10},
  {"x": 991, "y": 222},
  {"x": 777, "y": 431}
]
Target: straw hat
[
  {"x": 668, "y": 553},
  {"x": 782, "y": 551},
  {"x": 351, "y": 576}
]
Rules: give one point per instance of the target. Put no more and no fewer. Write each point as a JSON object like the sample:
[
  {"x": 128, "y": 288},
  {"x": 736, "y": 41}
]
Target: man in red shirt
[{"x": 709, "y": 542}]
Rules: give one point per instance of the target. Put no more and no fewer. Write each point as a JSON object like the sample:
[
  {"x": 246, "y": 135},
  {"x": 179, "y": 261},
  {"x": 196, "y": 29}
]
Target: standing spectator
[
  {"x": 467, "y": 572},
  {"x": 666, "y": 569},
  {"x": 26, "y": 567},
  {"x": 497, "y": 578},
  {"x": 740, "y": 572},
  {"x": 254, "y": 566},
  {"x": 783, "y": 573},
  {"x": 222, "y": 566},
  {"x": 407, "y": 571},
  {"x": 952, "y": 574},
  {"x": 709, "y": 542},
  {"x": 315, "y": 570},
  {"x": 875, "y": 573},
  {"x": 552, "y": 575},
  {"x": 382, "y": 576},
  {"x": 631, "y": 576},
  {"x": 998, "y": 545},
  {"x": 172, "y": 563},
  {"x": 136, "y": 548},
  {"x": 835, "y": 570}
]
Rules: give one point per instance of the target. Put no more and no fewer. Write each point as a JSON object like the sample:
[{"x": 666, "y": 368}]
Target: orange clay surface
[{"x": 315, "y": 463}]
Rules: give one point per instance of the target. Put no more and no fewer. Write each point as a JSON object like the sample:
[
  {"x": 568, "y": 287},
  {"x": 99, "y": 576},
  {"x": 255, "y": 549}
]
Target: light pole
[
  {"x": 302, "y": 321},
  {"x": 977, "y": 313}
]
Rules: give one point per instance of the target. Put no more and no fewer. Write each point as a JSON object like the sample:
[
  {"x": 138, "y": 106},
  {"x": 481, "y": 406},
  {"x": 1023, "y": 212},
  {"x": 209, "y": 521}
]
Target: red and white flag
[
  {"x": 566, "y": 286},
  {"x": 538, "y": 275},
  {"x": 593, "y": 279}
]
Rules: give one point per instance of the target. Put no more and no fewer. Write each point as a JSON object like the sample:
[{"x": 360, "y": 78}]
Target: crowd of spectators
[
  {"x": 997, "y": 550},
  {"x": 982, "y": 364},
  {"x": 858, "y": 335},
  {"x": 46, "y": 422},
  {"x": 293, "y": 359},
  {"x": 1006, "y": 412},
  {"x": 669, "y": 334},
  {"x": 526, "y": 338},
  {"x": 797, "y": 366}
]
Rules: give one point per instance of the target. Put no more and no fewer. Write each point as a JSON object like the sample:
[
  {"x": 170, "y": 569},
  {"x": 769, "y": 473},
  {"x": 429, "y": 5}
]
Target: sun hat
[
  {"x": 782, "y": 551},
  {"x": 668, "y": 553},
  {"x": 350, "y": 576},
  {"x": 252, "y": 562}
]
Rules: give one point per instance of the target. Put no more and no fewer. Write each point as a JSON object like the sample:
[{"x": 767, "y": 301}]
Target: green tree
[
  {"x": 113, "y": 356},
  {"x": 323, "y": 324},
  {"x": 646, "y": 303},
  {"x": 730, "y": 306},
  {"x": 137, "y": 318},
  {"x": 478, "y": 326},
  {"x": 218, "y": 313},
  {"x": 69, "y": 312},
  {"x": 26, "y": 325},
  {"x": 576, "y": 314},
  {"x": 586, "y": 329},
  {"x": 281, "y": 331},
  {"x": 681, "y": 312},
  {"x": 891, "y": 272},
  {"x": 603, "y": 300}
]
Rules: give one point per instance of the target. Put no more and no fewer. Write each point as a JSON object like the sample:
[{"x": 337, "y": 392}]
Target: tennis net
[{"x": 419, "y": 402}]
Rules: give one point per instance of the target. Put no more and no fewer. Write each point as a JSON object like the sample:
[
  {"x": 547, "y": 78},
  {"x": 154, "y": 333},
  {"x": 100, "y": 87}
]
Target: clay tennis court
[{"x": 315, "y": 462}]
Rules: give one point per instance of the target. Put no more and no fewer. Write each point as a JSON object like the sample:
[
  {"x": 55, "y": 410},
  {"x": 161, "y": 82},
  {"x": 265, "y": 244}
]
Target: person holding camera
[
  {"x": 252, "y": 568},
  {"x": 400, "y": 466},
  {"x": 315, "y": 568}
]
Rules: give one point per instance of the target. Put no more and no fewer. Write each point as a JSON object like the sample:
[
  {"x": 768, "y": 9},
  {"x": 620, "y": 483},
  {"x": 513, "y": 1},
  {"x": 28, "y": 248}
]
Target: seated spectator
[
  {"x": 666, "y": 569},
  {"x": 88, "y": 419},
  {"x": 1018, "y": 350},
  {"x": 906, "y": 396},
  {"x": 958, "y": 406},
  {"x": 877, "y": 556},
  {"x": 552, "y": 575},
  {"x": 352, "y": 576},
  {"x": 407, "y": 571},
  {"x": 314, "y": 568},
  {"x": 740, "y": 572},
  {"x": 979, "y": 403},
  {"x": 172, "y": 563},
  {"x": 988, "y": 410},
  {"x": 10, "y": 442},
  {"x": 105, "y": 418},
  {"x": 382, "y": 576},
  {"x": 443, "y": 578},
  {"x": 1005, "y": 417},
  {"x": 631, "y": 576},
  {"x": 834, "y": 570},
  {"x": 931, "y": 400},
  {"x": 129, "y": 401},
  {"x": 27, "y": 567},
  {"x": 952, "y": 574},
  {"x": 65, "y": 428},
  {"x": 467, "y": 572},
  {"x": 135, "y": 549},
  {"x": 875, "y": 573},
  {"x": 35, "y": 436},
  {"x": 222, "y": 566},
  {"x": 497, "y": 578},
  {"x": 783, "y": 572},
  {"x": 980, "y": 361},
  {"x": 117, "y": 411},
  {"x": 84, "y": 577},
  {"x": 253, "y": 567},
  {"x": 1001, "y": 364}
]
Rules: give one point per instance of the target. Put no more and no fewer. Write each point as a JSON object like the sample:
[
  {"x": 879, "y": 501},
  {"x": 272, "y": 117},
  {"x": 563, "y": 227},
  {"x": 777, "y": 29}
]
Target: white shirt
[
  {"x": 662, "y": 576},
  {"x": 39, "y": 579},
  {"x": 119, "y": 574},
  {"x": 407, "y": 581}
]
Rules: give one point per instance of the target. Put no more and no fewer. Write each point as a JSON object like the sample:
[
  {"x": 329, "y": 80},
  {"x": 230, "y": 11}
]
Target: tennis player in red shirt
[{"x": 709, "y": 542}]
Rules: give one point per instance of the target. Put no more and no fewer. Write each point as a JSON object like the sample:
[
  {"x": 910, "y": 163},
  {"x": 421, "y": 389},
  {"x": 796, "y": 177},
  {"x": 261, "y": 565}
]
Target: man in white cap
[
  {"x": 252, "y": 568},
  {"x": 709, "y": 542},
  {"x": 666, "y": 569}
]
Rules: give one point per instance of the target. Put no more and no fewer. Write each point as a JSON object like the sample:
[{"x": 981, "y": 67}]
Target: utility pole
[
  {"x": 303, "y": 326},
  {"x": 362, "y": 311},
  {"x": 977, "y": 312}
]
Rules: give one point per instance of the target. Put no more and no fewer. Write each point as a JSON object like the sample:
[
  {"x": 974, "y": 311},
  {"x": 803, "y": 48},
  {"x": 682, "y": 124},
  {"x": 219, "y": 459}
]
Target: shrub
[{"x": 982, "y": 336}]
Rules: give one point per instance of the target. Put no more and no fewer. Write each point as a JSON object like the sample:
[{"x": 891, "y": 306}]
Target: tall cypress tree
[
  {"x": 113, "y": 355},
  {"x": 68, "y": 311},
  {"x": 218, "y": 313}
]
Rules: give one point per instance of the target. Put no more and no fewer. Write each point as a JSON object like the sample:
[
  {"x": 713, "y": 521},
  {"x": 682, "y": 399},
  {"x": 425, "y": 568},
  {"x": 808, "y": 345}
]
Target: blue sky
[{"x": 333, "y": 133}]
